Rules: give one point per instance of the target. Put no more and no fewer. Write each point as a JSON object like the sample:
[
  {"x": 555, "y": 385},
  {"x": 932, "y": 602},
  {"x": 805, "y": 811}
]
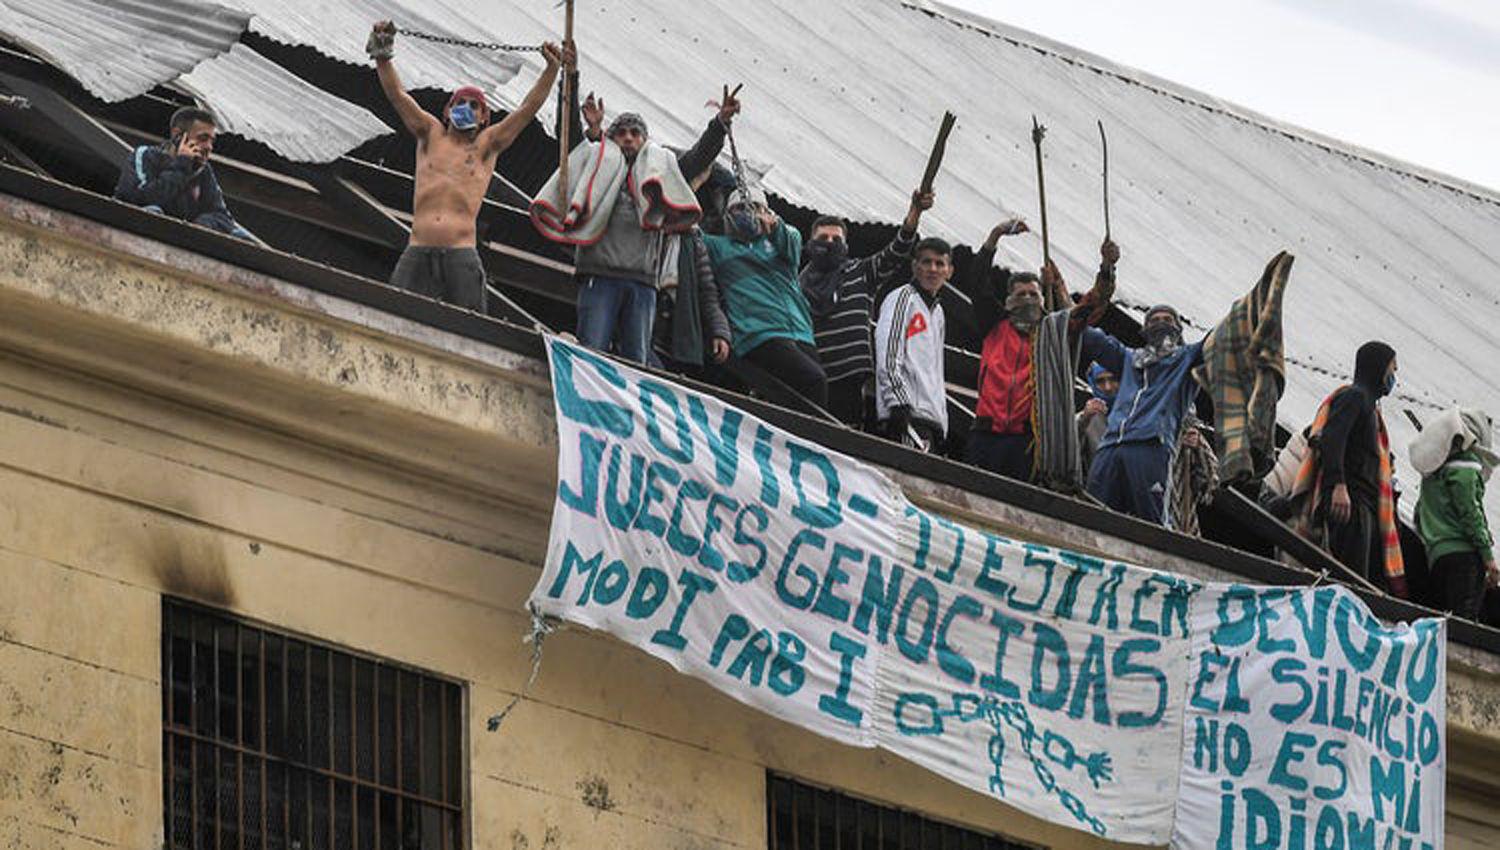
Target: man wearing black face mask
[
  {"x": 841, "y": 294},
  {"x": 1345, "y": 481},
  {"x": 1009, "y": 313}
]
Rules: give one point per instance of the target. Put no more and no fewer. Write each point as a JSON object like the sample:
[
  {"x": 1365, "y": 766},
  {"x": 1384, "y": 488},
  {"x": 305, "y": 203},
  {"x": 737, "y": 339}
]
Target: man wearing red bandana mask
[{"x": 455, "y": 161}]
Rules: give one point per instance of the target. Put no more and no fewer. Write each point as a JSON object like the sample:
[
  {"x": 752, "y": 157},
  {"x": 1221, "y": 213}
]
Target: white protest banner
[
  {"x": 1096, "y": 694},
  {"x": 1311, "y": 726},
  {"x": 803, "y": 583}
]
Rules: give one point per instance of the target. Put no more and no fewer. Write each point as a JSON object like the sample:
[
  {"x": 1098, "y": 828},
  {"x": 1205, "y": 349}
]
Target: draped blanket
[
  {"x": 663, "y": 198},
  {"x": 1058, "y": 460},
  {"x": 1244, "y": 371}
]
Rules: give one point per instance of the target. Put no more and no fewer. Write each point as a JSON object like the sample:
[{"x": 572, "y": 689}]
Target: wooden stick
[
  {"x": 939, "y": 147},
  {"x": 563, "y": 148},
  {"x": 1038, "y": 132},
  {"x": 1104, "y": 145}
]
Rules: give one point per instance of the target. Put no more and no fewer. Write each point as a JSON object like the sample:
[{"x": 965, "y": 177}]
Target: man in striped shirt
[{"x": 841, "y": 293}]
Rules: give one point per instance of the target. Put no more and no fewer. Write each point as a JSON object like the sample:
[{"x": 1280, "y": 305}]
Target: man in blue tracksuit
[
  {"x": 175, "y": 177},
  {"x": 1130, "y": 471}
]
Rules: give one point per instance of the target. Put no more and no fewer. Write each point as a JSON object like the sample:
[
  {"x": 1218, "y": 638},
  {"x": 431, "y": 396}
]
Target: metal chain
[
  {"x": 734, "y": 156},
  {"x": 477, "y": 45}
]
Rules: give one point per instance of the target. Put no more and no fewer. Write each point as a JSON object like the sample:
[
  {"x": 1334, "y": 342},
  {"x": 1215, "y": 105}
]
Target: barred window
[
  {"x": 273, "y": 742},
  {"x": 802, "y": 817}
]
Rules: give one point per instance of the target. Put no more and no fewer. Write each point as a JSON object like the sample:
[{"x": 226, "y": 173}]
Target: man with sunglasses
[
  {"x": 618, "y": 269},
  {"x": 455, "y": 162}
]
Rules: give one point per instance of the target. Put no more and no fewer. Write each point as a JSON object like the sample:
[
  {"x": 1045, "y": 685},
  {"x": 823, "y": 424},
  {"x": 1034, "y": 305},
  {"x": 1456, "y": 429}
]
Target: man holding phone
[{"x": 175, "y": 178}]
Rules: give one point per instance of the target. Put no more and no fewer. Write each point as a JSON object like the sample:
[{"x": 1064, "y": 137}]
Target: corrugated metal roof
[
  {"x": 339, "y": 29},
  {"x": 258, "y": 99},
  {"x": 118, "y": 49},
  {"x": 844, "y": 98}
]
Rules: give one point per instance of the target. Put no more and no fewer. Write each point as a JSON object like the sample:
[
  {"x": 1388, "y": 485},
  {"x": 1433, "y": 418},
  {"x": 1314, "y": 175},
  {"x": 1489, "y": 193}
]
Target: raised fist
[{"x": 382, "y": 41}]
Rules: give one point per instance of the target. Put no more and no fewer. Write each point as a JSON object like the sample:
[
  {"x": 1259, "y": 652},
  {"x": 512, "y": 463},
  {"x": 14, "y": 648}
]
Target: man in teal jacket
[
  {"x": 756, "y": 268},
  {"x": 1450, "y": 511}
]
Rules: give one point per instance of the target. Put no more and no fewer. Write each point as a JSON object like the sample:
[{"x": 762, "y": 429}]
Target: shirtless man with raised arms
[{"x": 455, "y": 161}]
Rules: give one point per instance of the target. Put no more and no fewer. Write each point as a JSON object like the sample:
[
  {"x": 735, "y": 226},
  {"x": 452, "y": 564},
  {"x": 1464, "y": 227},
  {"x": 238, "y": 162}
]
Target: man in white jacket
[{"x": 910, "y": 400}]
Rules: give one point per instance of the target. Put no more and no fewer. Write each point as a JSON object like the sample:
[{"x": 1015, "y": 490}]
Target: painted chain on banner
[{"x": 803, "y": 583}]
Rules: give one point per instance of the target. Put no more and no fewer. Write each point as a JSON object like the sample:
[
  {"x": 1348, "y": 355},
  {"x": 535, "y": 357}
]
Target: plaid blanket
[
  {"x": 1308, "y": 488},
  {"x": 1244, "y": 372},
  {"x": 1194, "y": 480}
]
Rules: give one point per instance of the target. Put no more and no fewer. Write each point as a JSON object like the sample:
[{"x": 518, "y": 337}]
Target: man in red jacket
[{"x": 1007, "y": 315}]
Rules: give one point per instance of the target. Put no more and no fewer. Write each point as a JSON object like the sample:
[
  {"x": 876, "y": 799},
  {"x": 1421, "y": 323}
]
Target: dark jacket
[
  {"x": 697, "y": 313},
  {"x": 1152, "y": 399},
  {"x": 841, "y": 330},
  {"x": 154, "y": 176},
  {"x": 1349, "y": 447}
]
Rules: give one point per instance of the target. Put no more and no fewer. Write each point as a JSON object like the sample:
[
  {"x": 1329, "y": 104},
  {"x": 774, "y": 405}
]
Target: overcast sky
[{"x": 1415, "y": 79}]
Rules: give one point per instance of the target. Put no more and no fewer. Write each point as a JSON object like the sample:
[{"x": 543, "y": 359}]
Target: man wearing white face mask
[
  {"x": 1130, "y": 471},
  {"x": 756, "y": 268},
  {"x": 455, "y": 161}
]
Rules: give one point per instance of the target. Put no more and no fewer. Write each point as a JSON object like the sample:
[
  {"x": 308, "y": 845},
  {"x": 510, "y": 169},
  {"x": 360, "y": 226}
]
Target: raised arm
[
  {"x": 381, "y": 47},
  {"x": 895, "y": 259},
  {"x": 497, "y": 137},
  {"x": 701, "y": 155},
  {"x": 989, "y": 308}
]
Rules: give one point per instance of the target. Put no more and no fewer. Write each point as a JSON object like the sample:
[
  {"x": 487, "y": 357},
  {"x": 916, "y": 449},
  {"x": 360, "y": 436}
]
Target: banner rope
[{"x": 541, "y": 626}]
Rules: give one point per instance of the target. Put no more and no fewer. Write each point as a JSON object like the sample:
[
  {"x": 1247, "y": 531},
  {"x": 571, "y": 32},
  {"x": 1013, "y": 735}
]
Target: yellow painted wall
[{"x": 140, "y": 457}]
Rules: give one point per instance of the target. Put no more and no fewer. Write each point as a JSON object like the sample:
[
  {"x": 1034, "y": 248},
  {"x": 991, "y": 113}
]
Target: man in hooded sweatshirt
[
  {"x": 1455, "y": 456},
  {"x": 1345, "y": 483},
  {"x": 841, "y": 293},
  {"x": 455, "y": 162},
  {"x": 755, "y": 265},
  {"x": 1103, "y": 387},
  {"x": 1131, "y": 470}
]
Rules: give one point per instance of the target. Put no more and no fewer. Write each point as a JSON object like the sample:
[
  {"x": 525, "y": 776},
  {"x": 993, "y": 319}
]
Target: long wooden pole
[
  {"x": 1038, "y": 132},
  {"x": 563, "y": 148}
]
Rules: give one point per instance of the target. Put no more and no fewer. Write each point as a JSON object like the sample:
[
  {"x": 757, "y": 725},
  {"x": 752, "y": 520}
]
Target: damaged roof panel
[
  {"x": 258, "y": 99},
  {"x": 118, "y": 49}
]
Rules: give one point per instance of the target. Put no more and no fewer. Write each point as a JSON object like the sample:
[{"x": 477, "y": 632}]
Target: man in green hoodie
[
  {"x": 1454, "y": 456},
  {"x": 756, "y": 268}
]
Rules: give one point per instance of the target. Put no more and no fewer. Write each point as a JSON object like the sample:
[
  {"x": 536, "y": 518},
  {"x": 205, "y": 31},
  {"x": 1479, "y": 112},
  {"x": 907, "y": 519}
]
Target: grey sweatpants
[{"x": 454, "y": 275}]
